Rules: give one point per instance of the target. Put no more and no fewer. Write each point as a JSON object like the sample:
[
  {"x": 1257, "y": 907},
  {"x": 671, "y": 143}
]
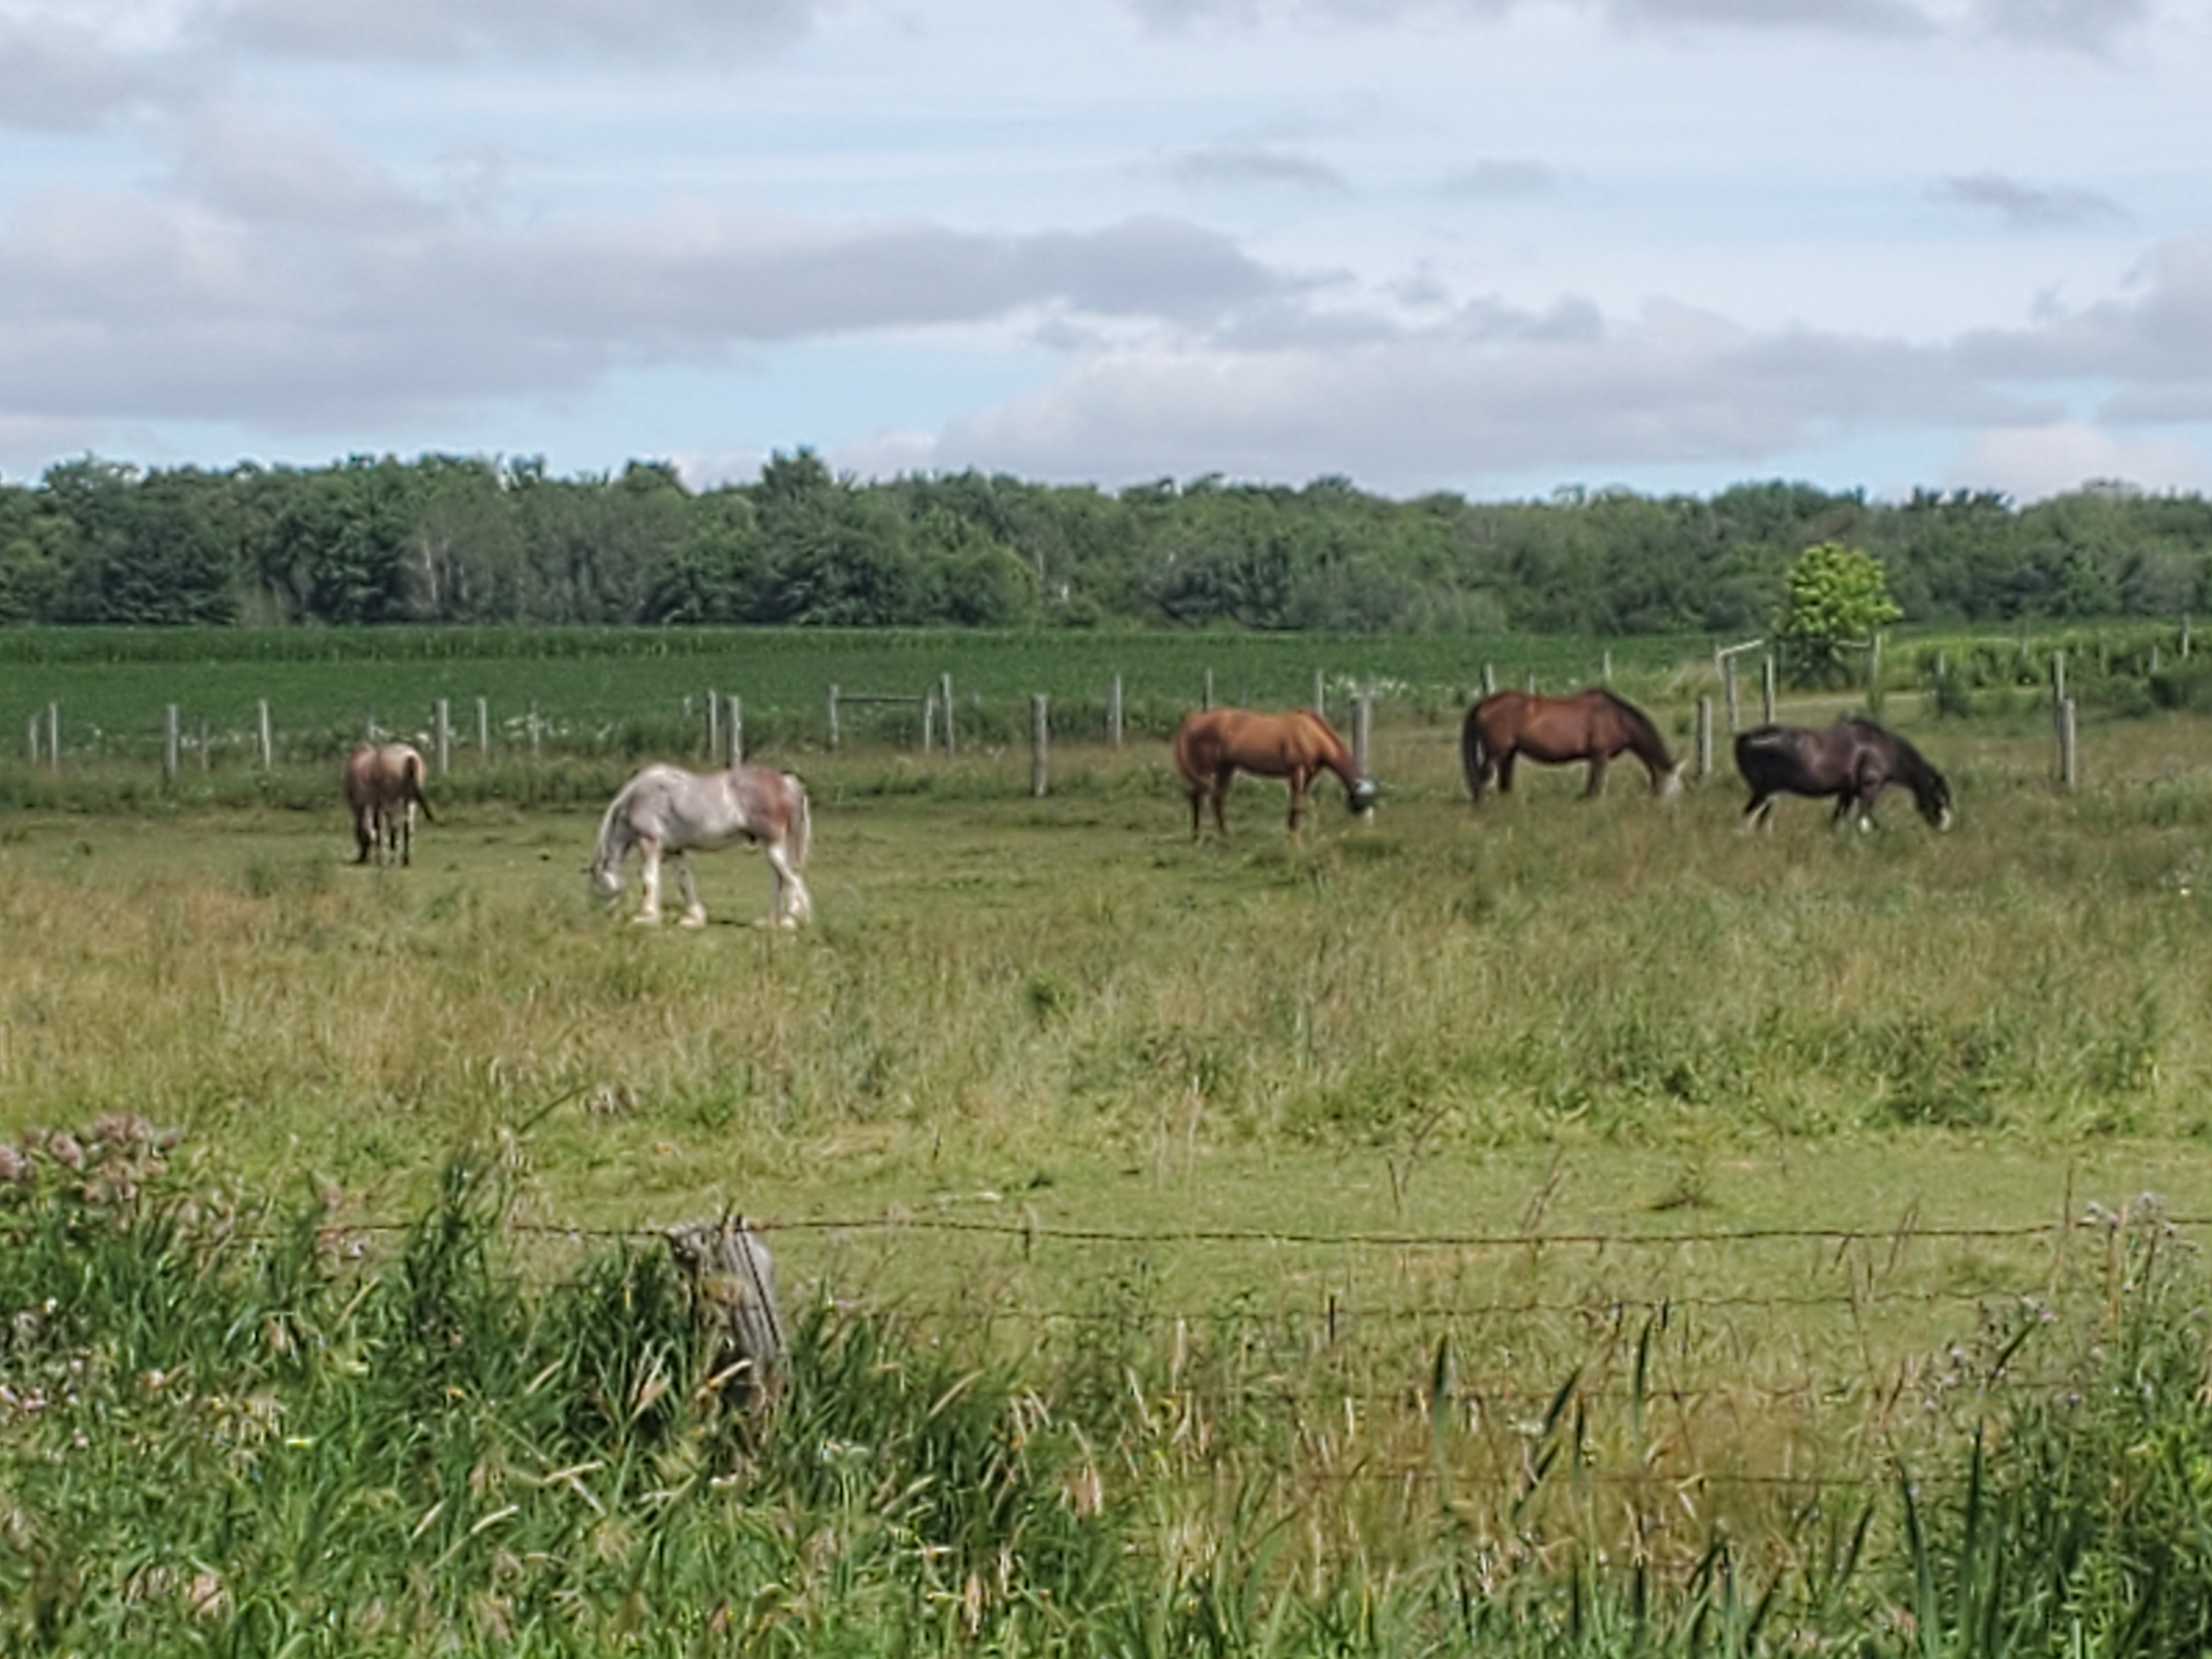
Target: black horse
[{"x": 1854, "y": 759}]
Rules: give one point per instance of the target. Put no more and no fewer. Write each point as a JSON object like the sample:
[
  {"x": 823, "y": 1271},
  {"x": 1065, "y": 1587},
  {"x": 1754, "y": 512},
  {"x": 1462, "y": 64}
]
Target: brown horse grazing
[
  {"x": 1854, "y": 759},
  {"x": 1591, "y": 725},
  {"x": 384, "y": 786},
  {"x": 1213, "y": 744}
]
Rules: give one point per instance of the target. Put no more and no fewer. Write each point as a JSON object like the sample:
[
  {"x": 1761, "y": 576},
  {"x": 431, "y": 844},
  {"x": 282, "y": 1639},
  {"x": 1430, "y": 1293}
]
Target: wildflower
[{"x": 62, "y": 1147}]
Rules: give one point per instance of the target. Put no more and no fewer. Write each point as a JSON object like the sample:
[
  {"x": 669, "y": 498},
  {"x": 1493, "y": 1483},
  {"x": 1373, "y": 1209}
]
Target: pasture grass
[{"x": 1464, "y": 1197}]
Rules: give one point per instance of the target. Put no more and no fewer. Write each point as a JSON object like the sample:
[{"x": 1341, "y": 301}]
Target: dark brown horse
[
  {"x": 383, "y": 788},
  {"x": 1591, "y": 725},
  {"x": 1854, "y": 759},
  {"x": 1213, "y": 744}
]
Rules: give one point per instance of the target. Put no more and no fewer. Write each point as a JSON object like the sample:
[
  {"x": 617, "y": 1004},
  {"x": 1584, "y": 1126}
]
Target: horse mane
[
  {"x": 1919, "y": 771},
  {"x": 1647, "y": 730}
]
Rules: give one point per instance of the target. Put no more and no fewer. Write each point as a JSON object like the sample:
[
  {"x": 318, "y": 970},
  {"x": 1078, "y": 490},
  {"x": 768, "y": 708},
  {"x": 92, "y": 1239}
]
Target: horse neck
[{"x": 1645, "y": 742}]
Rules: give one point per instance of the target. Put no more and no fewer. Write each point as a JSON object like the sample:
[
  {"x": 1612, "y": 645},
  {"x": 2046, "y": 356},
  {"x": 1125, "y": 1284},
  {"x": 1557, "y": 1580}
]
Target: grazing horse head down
[
  {"x": 1592, "y": 726},
  {"x": 383, "y": 788},
  {"x": 1212, "y": 746},
  {"x": 1854, "y": 761},
  {"x": 665, "y": 811}
]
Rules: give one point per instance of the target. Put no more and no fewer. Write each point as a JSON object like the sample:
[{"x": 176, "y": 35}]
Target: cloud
[
  {"x": 1256, "y": 167},
  {"x": 2087, "y": 25},
  {"x": 432, "y": 30},
  {"x": 58, "y": 76},
  {"x": 1505, "y": 178},
  {"x": 2028, "y": 207},
  {"x": 2029, "y": 462},
  {"x": 1843, "y": 16},
  {"x": 1676, "y": 386},
  {"x": 300, "y": 286},
  {"x": 2155, "y": 346}
]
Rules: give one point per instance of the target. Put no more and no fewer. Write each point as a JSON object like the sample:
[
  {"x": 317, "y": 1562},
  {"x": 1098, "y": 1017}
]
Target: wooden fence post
[
  {"x": 54, "y": 738},
  {"x": 1532, "y": 682},
  {"x": 1321, "y": 694},
  {"x": 537, "y": 745},
  {"x": 2057, "y": 684},
  {"x": 1605, "y": 668},
  {"x": 736, "y": 730},
  {"x": 1040, "y": 742},
  {"x": 1363, "y": 731},
  {"x": 951, "y": 741},
  {"x": 929, "y": 723},
  {"x": 268, "y": 746},
  {"x": 1766, "y": 690},
  {"x": 2069, "y": 754},
  {"x": 1705, "y": 737},
  {"x": 1114, "y": 712},
  {"x": 713, "y": 727},
  {"x": 483, "y": 730},
  {"x": 733, "y": 1286},
  {"x": 169, "y": 744},
  {"x": 445, "y": 736},
  {"x": 833, "y": 717},
  {"x": 203, "y": 746},
  {"x": 34, "y": 739}
]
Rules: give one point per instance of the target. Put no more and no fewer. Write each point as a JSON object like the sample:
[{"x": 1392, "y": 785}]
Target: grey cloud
[
  {"x": 1497, "y": 178},
  {"x": 1441, "y": 404},
  {"x": 2155, "y": 346},
  {"x": 2028, "y": 207},
  {"x": 2089, "y": 25},
  {"x": 1845, "y": 16},
  {"x": 429, "y": 30},
  {"x": 58, "y": 77},
  {"x": 1244, "y": 169},
  {"x": 125, "y": 308}
]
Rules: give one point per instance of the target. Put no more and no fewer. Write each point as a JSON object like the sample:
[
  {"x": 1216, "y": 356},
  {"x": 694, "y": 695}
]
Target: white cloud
[
  {"x": 2029, "y": 207},
  {"x": 2028, "y": 463}
]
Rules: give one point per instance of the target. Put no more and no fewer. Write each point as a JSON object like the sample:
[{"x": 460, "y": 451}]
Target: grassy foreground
[{"x": 1563, "y": 1229}]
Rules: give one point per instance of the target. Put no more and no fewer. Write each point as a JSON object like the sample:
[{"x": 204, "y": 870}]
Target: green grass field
[{"x": 1502, "y": 1194}]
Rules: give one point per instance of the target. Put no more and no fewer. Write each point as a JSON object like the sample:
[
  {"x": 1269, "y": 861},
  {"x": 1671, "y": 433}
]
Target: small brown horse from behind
[
  {"x": 383, "y": 788},
  {"x": 1213, "y": 744},
  {"x": 1591, "y": 725}
]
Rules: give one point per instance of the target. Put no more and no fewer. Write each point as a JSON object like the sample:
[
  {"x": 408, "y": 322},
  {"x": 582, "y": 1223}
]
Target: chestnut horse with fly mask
[
  {"x": 1212, "y": 746},
  {"x": 1854, "y": 759},
  {"x": 1591, "y": 725},
  {"x": 665, "y": 811},
  {"x": 383, "y": 788}
]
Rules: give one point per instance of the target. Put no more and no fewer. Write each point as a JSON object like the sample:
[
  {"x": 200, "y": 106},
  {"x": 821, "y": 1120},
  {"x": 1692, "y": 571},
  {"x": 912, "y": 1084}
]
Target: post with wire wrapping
[{"x": 732, "y": 1284}]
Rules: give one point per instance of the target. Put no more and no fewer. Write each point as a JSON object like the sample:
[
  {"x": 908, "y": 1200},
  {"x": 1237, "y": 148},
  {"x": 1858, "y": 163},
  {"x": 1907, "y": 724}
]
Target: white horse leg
[
  {"x": 790, "y": 903},
  {"x": 695, "y": 914},
  {"x": 648, "y": 858}
]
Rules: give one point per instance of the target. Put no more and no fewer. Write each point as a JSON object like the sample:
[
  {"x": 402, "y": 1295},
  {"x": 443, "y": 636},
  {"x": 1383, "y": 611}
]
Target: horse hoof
[
  {"x": 694, "y": 918},
  {"x": 646, "y": 918}
]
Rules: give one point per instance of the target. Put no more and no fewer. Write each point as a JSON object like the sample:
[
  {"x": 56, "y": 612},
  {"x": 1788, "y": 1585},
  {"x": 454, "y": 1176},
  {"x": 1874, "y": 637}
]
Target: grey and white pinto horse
[{"x": 665, "y": 811}]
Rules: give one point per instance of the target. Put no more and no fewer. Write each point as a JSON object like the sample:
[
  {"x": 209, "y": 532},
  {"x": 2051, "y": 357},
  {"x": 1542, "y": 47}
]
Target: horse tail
[
  {"x": 802, "y": 823},
  {"x": 417, "y": 773},
  {"x": 607, "y": 854},
  {"x": 1475, "y": 756}
]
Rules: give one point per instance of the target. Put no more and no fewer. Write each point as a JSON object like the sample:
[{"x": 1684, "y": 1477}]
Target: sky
[{"x": 1495, "y": 247}]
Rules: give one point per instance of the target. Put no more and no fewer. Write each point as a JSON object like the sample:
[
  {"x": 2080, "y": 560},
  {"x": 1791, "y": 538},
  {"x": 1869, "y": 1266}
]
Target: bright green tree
[{"x": 1837, "y": 598}]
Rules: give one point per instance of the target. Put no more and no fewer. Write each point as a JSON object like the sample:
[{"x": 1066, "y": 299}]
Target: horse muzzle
[{"x": 1360, "y": 798}]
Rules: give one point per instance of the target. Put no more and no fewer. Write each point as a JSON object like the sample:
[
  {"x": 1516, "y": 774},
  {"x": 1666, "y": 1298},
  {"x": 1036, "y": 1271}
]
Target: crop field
[
  {"x": 613, "y": 690},
  {"x": 1562, "y": 1227}
]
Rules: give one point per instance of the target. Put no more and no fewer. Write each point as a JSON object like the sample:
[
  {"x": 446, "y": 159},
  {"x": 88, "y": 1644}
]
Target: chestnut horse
[
  {"x": 1212, "y": 746},
  {"x": 1591, "y": 725},
  {"x": 383, "y": 788},
  {"x": 666, "y": 812},
  {"x": 1854, "y": 759}
]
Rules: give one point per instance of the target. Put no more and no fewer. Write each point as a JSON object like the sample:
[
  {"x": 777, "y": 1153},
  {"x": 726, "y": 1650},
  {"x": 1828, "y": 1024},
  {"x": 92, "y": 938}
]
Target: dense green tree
[{"x": 1837, "y": 598}]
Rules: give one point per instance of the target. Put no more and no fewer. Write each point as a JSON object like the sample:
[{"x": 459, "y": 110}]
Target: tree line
[{"x": 470, "y": 539}]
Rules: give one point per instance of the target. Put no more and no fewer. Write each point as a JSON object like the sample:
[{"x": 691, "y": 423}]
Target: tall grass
[{"x": 221, "y": 1427}]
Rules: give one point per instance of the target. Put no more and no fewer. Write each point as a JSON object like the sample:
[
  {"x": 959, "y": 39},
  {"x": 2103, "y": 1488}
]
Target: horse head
[
  {"x": 1360, "y": 796},
  {"x": 1667, "y": 785}
]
